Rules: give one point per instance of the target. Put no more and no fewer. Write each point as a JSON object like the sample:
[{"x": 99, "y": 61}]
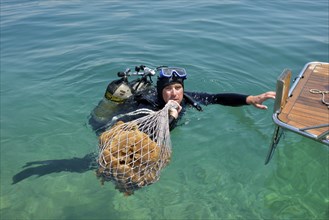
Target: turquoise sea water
[{"x": 57, "y": 58}]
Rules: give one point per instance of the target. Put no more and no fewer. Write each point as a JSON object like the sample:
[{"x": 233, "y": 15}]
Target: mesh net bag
[{"x": 132, "y": 154}]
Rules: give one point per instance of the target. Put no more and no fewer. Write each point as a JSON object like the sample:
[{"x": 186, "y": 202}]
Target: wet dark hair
[{"x": 165, "y": 81}]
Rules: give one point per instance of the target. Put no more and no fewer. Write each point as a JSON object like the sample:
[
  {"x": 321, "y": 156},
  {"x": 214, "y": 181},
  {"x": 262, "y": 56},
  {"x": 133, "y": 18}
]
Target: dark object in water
[{"x": 77, "y": 165}]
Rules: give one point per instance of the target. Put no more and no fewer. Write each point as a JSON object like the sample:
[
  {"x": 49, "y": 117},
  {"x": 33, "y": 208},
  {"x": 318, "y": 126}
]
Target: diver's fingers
[{"x": 261, "y": 106}]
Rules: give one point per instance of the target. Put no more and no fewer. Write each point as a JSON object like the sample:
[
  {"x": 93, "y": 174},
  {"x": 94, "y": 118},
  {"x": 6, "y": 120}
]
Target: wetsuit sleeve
[{"x": 229, "y": 99}]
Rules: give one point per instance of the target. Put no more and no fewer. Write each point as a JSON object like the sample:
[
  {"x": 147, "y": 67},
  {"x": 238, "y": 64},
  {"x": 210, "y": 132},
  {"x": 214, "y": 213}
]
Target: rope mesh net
[{"x": 132, "y": 154}]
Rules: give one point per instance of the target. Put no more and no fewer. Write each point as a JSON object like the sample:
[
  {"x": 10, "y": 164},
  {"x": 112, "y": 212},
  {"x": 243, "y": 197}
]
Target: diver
[{"x": 170, "y": 86}]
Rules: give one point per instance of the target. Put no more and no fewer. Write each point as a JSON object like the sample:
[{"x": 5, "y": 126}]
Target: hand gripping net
[{"x": 133, "y": 154}]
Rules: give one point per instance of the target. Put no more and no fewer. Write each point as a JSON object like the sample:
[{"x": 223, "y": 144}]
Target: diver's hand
[
  {"x": 174, "y": 111},
  {"x": 258, "y": 100}
]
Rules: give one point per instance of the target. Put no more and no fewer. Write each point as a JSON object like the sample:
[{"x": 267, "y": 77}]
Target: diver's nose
[{"x": 174, "y": 92}]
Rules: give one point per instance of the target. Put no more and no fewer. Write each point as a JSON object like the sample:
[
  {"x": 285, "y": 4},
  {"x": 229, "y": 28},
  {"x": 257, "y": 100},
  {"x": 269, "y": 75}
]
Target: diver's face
[{"x": 174, "y": 92}]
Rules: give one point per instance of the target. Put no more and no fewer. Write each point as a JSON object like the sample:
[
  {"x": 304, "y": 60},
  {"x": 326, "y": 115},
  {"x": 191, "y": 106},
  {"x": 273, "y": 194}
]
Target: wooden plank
[
  {"x": 305, "y": 109},
  {"x": 316, "y": 132}
]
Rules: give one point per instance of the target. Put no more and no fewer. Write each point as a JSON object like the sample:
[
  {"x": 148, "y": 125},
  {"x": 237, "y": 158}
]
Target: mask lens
[
  {"x": 169, "y": 72},
  {"x": 166, "y": 72}
]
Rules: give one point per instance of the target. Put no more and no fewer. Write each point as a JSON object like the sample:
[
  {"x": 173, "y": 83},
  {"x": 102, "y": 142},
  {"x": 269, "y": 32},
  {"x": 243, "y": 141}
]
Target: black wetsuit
[{"x": 148, "y": 99}]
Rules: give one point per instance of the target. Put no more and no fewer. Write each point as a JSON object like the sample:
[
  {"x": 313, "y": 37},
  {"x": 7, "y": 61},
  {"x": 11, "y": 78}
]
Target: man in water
[{"x": 170, "y": 87}]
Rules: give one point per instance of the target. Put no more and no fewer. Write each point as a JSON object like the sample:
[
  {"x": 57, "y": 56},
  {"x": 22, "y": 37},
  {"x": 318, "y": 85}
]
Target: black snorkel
[{"x": 192, "y": 102}]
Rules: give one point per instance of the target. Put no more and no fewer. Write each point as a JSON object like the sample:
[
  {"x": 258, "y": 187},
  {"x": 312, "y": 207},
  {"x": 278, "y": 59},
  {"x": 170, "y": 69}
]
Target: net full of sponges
[{"x": 133, "y": 154}]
